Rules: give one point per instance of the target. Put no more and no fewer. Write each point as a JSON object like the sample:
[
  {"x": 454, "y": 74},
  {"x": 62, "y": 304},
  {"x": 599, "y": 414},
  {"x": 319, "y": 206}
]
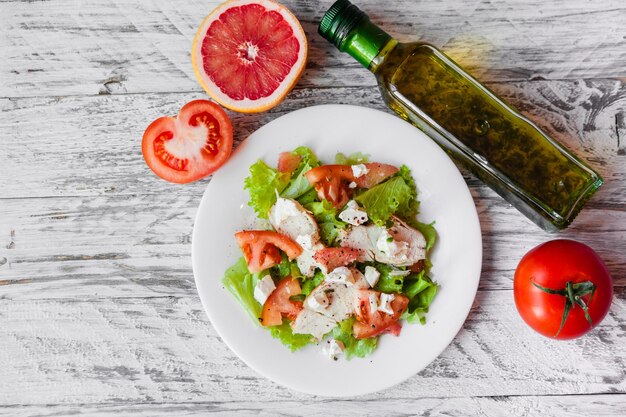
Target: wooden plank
[
  {"x": 554, "y": 406},
  {"x": 91, "y": 145},
  {"x": 131, "y": 246},
  {"x": 103, "y": 47},
  {"x": 164, "y": 350}
]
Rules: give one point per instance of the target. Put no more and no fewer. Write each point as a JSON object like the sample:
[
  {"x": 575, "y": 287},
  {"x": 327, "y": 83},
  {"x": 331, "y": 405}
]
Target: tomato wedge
[
  {"x": 288, "y": 162},
  {"x": 260, "y": 248},
  {"x": 190, "y": 146},
  {"x": 372, "y": 323},
  {"x": 278, "y": 304},
  {"x": 332, "y": 182},
  {"x": 376, "y": 174},
  {"x": 325, "y": 172},
  {"x": 331, "y": 258}
]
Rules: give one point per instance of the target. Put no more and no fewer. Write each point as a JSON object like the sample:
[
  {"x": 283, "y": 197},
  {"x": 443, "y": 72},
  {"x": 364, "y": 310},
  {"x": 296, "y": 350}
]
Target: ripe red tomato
[
  {"x": 376, "y": 173},
  {"x": 562, "y": 289},
  {"x": 279, "y": 304},
  {"x": 372, "y": 323},
  {"x": 332, "y": 182},
  {"x": 260, "y": 248},
  {"x": 288, "y": 162},
  {"x": 331, "y": 258},
  {"x": 191, "y": 146}
]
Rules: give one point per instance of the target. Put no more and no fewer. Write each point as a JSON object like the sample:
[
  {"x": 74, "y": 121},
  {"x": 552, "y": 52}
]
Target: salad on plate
[{"x": 339, "y": 257}]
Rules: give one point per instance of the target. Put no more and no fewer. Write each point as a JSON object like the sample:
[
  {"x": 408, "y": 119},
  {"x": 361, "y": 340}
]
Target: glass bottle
[{"x": 534, "y": 173}]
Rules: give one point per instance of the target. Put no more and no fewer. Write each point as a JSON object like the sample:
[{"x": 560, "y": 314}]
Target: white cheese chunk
[
  {"x": 371, "y": 275},
  {"x": 341, "y": 275},
  {"x": 385, "y": 303},
  {"x": 353, "y": 214},
  {"x": 352, "y": 184},
  {"x": 359, "y": 170},
  {"x": 283, "y": 209},
  {"x": 317, "y": 301},
  {"x": 392, "y": 248},
  {"x": 333, "y": 349},
  {"x": 263, "y": 289}
]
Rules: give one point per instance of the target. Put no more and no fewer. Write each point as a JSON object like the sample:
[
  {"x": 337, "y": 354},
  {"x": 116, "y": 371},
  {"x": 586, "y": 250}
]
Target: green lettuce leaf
[
  {"x": 429, "y": 232},
  {"x": 287, "y": 338},
  {"x": 262, "y": 184},
  {"x": 408, "y": 207},
  {"x": 286, "y": 268},
  {"x": 326, "y": 216},
  {"x": 308, "y": 156},
  {"x": 421, "y": 292},
  {"x": 299, "y": 185},
  {"x": 352, "y": 159},
  {"x": 308, "y": 197},
  {"x": 240, "y": 283},
  {"x": 388, "y": 283},
  {"x": 385, "y": 199},
  {"x": 353, "y": 347},
  {"x": 309, "y": 284}
]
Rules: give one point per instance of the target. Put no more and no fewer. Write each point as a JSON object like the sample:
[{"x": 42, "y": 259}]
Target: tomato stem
[{"x": 573, "y": 294}]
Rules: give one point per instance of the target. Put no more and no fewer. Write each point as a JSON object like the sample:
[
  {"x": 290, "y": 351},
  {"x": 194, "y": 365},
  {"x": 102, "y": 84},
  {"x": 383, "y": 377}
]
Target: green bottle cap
[
  {"x": 339, "y": 20},
  {"x": 350, "y": 30}
]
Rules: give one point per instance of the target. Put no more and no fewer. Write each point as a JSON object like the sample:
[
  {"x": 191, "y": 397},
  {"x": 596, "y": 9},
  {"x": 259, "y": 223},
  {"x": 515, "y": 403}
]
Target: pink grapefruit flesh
[{"x": 248, "y": 54}]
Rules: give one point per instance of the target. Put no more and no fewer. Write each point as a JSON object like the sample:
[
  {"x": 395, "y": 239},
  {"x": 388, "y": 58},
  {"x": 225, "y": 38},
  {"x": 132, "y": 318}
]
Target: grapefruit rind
[{"x": 247, "y": 105}]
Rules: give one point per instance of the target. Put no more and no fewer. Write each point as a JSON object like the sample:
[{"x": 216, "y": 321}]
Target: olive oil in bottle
[{"x": 504, "y": 149}]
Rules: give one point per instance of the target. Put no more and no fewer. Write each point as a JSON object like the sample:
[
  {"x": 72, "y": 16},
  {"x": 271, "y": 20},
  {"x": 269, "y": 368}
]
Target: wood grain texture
[
  {"x": 531, "y": 406},
  {"x": 74, "y": 47},
  {"x": 131, "y": 246},
  {"x": 163, "y": 350},
  {"x": 98, "y": 308},
  {"x": 91, "y": 145}
]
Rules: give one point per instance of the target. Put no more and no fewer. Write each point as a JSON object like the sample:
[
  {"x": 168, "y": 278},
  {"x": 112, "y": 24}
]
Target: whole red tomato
[{"x": 562, "y": 289}]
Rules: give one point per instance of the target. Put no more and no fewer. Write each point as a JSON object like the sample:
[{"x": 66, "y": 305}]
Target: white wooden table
[{"x": 98, "y": 308}]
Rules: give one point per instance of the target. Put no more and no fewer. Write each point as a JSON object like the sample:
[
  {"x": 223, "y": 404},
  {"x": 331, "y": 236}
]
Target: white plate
[{"x": 444, "y": 198}]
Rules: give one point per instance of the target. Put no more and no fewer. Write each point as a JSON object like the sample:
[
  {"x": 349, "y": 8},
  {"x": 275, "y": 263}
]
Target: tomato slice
[
  {"x": 332, "y": 182},
  {"x": 376, "y": 174},
  {"x": 260, "y": 248},
  {"x": 278, "y": 304},
  {"x": 288, "y": 162},
  {"x": 372, "y": 323},
  {"x": 331, "y": 258},
  {"x": 190, "y": 146}
]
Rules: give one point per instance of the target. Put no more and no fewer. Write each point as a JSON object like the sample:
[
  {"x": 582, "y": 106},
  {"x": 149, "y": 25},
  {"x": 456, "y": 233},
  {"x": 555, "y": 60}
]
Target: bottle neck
[{"x": 365, "y": 42}]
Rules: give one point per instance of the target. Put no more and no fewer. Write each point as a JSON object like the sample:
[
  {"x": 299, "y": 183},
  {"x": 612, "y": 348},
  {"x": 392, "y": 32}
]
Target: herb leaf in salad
[{"x": 356, "y": 261}]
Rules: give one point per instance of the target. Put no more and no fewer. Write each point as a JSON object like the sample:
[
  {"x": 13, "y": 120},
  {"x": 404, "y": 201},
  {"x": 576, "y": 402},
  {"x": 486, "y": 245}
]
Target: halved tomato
[
  {"x": 279, "y": 304},
  {"x": 190, "y": 146},
  {"x": 372, "y": 323},
  {"x": 331, "y": 258},
  {"x": 332, "y": 182},
  {"x": 260, "y": 248},
  {"x": 288, "y": 162}
]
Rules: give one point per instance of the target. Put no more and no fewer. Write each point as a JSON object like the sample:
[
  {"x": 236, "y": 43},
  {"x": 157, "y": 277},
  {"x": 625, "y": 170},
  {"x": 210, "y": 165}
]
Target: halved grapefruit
[{"x": 248, "y": 54}]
